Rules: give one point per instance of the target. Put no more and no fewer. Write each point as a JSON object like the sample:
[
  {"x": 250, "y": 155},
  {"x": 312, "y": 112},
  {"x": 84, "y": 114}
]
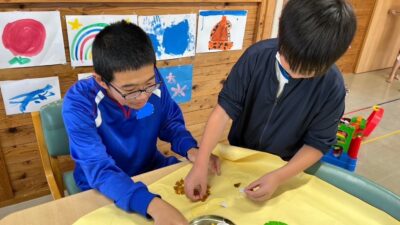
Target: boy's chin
[{"x": 136, "y": 105}]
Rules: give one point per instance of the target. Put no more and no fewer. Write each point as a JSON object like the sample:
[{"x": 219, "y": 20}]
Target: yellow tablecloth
[{"x": 304, "y": 200}]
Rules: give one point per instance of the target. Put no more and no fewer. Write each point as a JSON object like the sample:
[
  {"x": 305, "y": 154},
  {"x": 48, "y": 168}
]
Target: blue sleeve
[
  {"x": 99, "y": 168},
  {"x": 173, "y": 128}
]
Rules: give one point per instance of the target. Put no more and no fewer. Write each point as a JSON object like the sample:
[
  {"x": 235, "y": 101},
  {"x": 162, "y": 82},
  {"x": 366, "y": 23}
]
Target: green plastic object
[
  {"x": 275, "y": 223},
  {"x": 345, "y": 143}
]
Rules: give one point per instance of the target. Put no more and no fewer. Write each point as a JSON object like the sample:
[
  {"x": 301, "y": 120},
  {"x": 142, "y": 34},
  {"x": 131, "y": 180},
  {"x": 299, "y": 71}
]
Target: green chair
[
  {"x": 359, "y": 187},
  {"x": 53, "y": 142}
]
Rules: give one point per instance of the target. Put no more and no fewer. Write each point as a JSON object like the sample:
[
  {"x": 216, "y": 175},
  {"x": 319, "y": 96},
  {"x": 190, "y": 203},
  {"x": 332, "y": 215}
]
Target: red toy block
[{"x": 373, "y": 120}]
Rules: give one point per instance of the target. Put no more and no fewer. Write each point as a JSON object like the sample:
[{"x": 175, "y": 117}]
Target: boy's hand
[
  {"x": 165, "y": 214},
  {"x": 214, "y": 164},
  {"x": 263, "y": 188},
  {"x": 196, "y": 183}
]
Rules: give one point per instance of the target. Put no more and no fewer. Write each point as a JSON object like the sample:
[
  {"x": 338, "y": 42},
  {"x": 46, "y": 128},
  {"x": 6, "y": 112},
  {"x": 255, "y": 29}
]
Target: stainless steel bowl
[{"x": 211, "y": 220}]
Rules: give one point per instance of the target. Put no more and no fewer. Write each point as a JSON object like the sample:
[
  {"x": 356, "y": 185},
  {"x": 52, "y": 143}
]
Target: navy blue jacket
[{"x": 307, "y": 112}]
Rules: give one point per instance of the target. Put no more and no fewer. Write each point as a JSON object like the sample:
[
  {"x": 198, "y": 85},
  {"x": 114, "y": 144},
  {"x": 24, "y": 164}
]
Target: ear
[{"x": 100, "y": 81}]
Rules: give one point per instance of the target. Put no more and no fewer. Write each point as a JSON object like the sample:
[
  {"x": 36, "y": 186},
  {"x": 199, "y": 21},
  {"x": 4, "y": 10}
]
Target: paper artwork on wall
[
  {"x": 31, "y": 39},
  {"x": 81, "y": 33},
  {"x": 29, "y": 95},
  {"x": 221, "y": 30},
  {"x": 178, "y": 80},
  {"x": 173, "y": 36}
]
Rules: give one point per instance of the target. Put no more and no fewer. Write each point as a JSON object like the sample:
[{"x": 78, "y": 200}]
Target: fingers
[
  {"x": 195, "y": 190},
  {"x": 253, "y": 186},
  {"x": 257, "y": 192},
  {"x": 189, "y": 189},
  {"x": 192, "y": 192},
  {"x": 199, "y": 192},
  {"x": 203, "y": 190},
  {"x": 215, "y": 165},
  {"x": 259, "y": 199}
]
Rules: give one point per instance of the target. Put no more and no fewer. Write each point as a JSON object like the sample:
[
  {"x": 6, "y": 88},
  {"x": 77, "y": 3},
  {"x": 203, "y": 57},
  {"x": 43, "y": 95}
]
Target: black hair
[
  {"x": 121, "y": 47},
  {"x": 313, "y": 34}
]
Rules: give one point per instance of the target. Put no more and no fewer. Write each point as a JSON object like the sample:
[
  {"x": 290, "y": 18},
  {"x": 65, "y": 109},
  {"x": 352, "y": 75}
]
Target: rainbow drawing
[
  {"x": 81, "y": 33},
  {"x": 81, "y": 48}
]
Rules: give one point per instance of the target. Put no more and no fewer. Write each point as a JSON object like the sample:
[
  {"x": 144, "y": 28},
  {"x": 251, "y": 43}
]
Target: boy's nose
[{"x": 143, "y": 96}]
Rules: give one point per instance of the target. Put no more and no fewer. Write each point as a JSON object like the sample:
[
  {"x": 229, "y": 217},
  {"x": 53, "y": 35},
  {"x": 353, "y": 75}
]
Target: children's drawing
[
  {"x": 220, "y": 37},
  {"x": 31, "y": 33},
  {"x": 221, "y": 30},
  {"x": 179, "y": 82},
  {"x": 29, "y": 95},
  {"x": 173, "y": 36},
  {"x": 31, "y": 39},
  {"x": 34, "y": 96},
  {"x": 81, "y": 33}
]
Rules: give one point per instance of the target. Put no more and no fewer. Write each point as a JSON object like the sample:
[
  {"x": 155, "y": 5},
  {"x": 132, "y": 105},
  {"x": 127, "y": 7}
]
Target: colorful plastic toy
[
  {"x": 349, "y": 138},
  {"x": 373, "y": 120}
]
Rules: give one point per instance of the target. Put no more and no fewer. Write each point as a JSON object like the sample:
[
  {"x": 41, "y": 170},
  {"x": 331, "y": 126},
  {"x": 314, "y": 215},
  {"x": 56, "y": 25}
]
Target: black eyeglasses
[{"x": 135, "y": 94}]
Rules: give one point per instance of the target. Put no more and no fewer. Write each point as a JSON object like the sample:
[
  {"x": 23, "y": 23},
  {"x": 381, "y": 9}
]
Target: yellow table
[
  {"x": 67, "y": 210},
  {"x": 290, "y": 204},
  {"x": 305, "y": 199}
]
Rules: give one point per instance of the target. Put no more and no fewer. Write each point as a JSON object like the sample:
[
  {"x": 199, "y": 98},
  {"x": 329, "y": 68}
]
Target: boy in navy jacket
[{"x": 284, "y": 96}]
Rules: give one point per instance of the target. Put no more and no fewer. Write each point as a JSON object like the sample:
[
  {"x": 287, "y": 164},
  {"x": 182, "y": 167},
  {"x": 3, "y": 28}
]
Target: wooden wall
[
  {"x": 382, "y": 41},
  {"x": 363, "y": 9},
  {"x": 21, "y": 173}
]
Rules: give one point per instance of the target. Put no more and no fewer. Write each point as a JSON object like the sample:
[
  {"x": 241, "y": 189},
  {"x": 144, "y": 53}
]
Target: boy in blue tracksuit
[{"x": 114, "y": 119}]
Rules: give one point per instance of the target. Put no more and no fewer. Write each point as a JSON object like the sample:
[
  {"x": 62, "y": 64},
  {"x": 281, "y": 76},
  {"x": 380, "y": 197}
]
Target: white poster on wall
[
  {"x": 221, "y": 30},
  {"x": 81, "y": 33},
  {"x": 31, "y": 39},
  {"x": 29, "y": 95}
]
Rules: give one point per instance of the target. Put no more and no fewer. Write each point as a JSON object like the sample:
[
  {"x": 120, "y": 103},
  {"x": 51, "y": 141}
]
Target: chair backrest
[
  {"x": 52, "y": 142},
  {"x": 55, "y": 135}
]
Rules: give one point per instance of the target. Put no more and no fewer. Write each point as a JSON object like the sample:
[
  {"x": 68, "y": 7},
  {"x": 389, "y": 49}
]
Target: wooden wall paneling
[
  {"x": 363, "y": 10},
  {"x": 269, "y": 19},
  {"x": 382, "y": 42},
  {"x": 6, "y": 192},
  {"x": 260, "y": 24}
]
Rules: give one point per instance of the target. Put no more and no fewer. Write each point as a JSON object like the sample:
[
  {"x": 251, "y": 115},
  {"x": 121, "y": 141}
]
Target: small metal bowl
[{"x": 211, "y": 220}]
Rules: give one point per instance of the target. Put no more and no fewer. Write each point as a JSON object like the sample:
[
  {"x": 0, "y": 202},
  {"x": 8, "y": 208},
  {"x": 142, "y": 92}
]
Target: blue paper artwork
[
  {"x": 29, "y": 95},
  {"x": 179, "y": 82},
  {"x": 173, "y": 36},
  {"x": 36, "y": 97}
]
